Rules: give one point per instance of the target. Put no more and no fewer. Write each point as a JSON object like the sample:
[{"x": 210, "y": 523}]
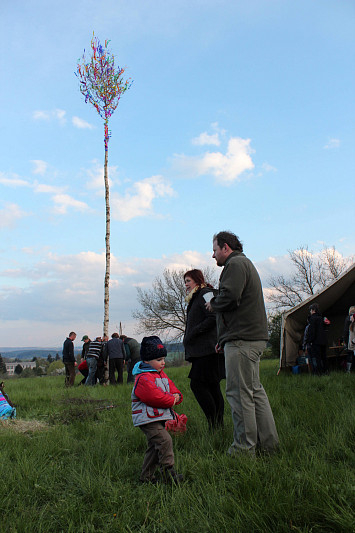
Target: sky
[{"x": 240, "y": 117}]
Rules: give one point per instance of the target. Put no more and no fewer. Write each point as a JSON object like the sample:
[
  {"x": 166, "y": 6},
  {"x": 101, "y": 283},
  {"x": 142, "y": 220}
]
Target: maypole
[{"x": 102, "y": 84}]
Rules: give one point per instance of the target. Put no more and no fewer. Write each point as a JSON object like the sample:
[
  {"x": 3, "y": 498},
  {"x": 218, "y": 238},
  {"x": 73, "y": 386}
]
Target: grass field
[{"x": 70, "y": 464}]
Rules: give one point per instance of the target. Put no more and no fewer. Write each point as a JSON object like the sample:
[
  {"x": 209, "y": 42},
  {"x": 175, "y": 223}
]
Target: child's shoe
[{"x": 170, "y": 476}]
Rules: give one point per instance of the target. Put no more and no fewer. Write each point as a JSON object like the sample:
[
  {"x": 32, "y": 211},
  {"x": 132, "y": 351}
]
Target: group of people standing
[
  {"x": 315, "y": 339},
  {"x": 101, "y": 359},
  {"x": 226, "y": 333}
]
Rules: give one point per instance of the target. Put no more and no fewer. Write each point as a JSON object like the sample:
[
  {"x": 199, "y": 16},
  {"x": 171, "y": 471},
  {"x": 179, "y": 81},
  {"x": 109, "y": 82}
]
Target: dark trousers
[
  {"x": 69, "y": 374},
  {"x": 160, "y": 449},
  {"x": 210, "y": 399},
  {"x": 116, "y": 364},
  {"x": 318, "y": 359}
]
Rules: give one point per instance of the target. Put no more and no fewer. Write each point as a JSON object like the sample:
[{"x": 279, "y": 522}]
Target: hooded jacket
[
  {"x": 239, "y": 305},
  {"x": 152, "y": 395}
]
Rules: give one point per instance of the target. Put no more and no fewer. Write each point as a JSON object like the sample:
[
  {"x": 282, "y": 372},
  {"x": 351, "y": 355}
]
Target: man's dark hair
[
  {"x": 227, "y": 237},
  {"x": 314, "y": 307},
  {"x": 115, "y": 336}
]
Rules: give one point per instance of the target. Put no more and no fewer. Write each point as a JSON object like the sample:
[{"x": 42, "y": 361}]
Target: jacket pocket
[{"x": 153, "y": 412}]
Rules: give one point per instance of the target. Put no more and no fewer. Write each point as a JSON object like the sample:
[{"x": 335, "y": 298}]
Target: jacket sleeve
[
  {"x": 147, "y": 391},
  {"x": 232, "y": 285},
  {"x": 175, "y": 390}
]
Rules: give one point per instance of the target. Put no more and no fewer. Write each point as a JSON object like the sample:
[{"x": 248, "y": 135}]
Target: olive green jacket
[{"x": 239, "y": 305}]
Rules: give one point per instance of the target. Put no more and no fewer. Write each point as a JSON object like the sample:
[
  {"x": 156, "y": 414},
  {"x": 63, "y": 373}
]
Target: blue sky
[{"x": 240, "y": 117}]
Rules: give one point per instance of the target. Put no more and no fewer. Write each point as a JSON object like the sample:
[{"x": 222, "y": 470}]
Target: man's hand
[{"x": 209, "y": 307}]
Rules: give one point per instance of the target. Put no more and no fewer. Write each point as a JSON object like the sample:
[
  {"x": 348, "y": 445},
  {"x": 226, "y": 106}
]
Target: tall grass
[{"x": 78, "y": 471}]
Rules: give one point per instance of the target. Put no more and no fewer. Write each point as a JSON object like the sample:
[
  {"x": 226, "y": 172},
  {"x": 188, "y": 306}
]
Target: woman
[
  {"x": 200, "y": 340},
  {"x": 346, "y": 337},
  {"x": 351, "y": 344}
]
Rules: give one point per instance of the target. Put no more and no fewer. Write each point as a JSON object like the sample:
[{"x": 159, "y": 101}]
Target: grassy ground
[{"x": 71, "y": 463}]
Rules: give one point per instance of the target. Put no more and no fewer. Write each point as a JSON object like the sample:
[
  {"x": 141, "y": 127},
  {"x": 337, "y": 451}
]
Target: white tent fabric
[{"x": 334, "y": 302}]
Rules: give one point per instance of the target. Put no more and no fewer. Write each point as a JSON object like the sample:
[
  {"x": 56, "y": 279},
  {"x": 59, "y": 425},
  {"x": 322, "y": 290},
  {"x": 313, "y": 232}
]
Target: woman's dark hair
[
  {"x": 197, "y": 276},
  {"x": 227, "y": 237}
]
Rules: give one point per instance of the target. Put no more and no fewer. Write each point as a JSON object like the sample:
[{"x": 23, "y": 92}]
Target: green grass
[{"x": 79, "y": 473}]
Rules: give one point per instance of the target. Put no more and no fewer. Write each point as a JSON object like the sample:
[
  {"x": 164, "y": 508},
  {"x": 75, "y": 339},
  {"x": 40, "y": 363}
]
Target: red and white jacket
[{"x": 152, "y": 395}]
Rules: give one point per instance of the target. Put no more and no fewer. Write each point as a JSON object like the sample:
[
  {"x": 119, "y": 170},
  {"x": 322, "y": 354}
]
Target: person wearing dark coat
[
  {"x": 200, "y": 339},
  {"x": 69, "y": 359},
  {"x": 83, "y": 368},
  {"x": 317, "y": 339},
  {"x": 132, "y": 355},
  {"x": 115, "y": 351}
]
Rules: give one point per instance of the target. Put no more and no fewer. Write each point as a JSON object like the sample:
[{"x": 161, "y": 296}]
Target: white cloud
[
  {"x": 53, "y": 284},
  {"x": 332, "y": 143},
  {"x": 49, "y": 189},
  {"x": 41, "y": 115},
  {"x": 226, "y": 168},
  {"x": 64, "y": 201},
  {"x": 13, "y": 180},
  {"x": 138, "y": 201},
  {"x": 96, "y": 177},
  {"x": 40, "y": 166},
  {"x": 10, "y": 214},
  {"x": 268, "y": 168},
  {"x": 205, "y": 138},
  {"x": 56, "y": 114},
  {"x": 81, "y": 124}
]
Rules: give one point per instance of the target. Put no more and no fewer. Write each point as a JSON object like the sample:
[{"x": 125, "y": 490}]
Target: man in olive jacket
[{"x": 242, "y": 333}]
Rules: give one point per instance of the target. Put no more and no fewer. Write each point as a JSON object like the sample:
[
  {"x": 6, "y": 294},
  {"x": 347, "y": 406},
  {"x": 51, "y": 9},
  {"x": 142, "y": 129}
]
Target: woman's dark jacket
[{"x": 200, "y": 336}]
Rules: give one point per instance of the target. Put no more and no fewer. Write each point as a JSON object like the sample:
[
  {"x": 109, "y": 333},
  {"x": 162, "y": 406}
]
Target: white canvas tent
[{"x": 334, "y": 302}]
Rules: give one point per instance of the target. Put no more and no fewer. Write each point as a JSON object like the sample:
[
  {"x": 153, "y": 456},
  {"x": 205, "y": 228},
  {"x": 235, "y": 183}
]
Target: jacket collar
[{"x": 233, "y": 254}]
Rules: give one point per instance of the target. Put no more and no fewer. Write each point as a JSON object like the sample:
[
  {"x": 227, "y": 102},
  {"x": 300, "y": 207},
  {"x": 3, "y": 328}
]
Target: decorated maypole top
[{"x": 101, "y": 81}]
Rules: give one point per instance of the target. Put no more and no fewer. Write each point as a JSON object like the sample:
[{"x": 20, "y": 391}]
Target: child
[
  {"x": 153, "y": 395},
  {"x": 7, "y": 410}
]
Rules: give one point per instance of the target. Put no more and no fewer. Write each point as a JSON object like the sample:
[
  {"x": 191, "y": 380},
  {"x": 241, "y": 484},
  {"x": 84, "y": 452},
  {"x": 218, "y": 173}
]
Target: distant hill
[{"x": 26, "y": 354}]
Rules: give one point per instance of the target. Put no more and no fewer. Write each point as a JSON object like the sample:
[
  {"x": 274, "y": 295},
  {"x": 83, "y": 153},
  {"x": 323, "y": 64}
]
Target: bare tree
[
  {"x": 163, "y": 308},
  {"x": 102, "y": 84},
  {"x": 311, "y": 273}
]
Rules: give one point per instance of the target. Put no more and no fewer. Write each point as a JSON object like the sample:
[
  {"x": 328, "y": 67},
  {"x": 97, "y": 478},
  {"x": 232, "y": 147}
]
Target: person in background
[
  {"x": 84, "y": 352},
  {"x": 92, "y": 358},
  {"x": 7, "y": 409},
  {"x": 132, "y": 351},
  {"x": 101, "y": 372},
  {"x": 317, "y": 340},
  {"x": 105, "y": 376},
  {"x": 200, "y": 339},
  {"x": 242, "y": 332},
  {"x": 115, "y": 352},
  {"x": 348, "y": 337},
  {"x": 69, "y": 359}
]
